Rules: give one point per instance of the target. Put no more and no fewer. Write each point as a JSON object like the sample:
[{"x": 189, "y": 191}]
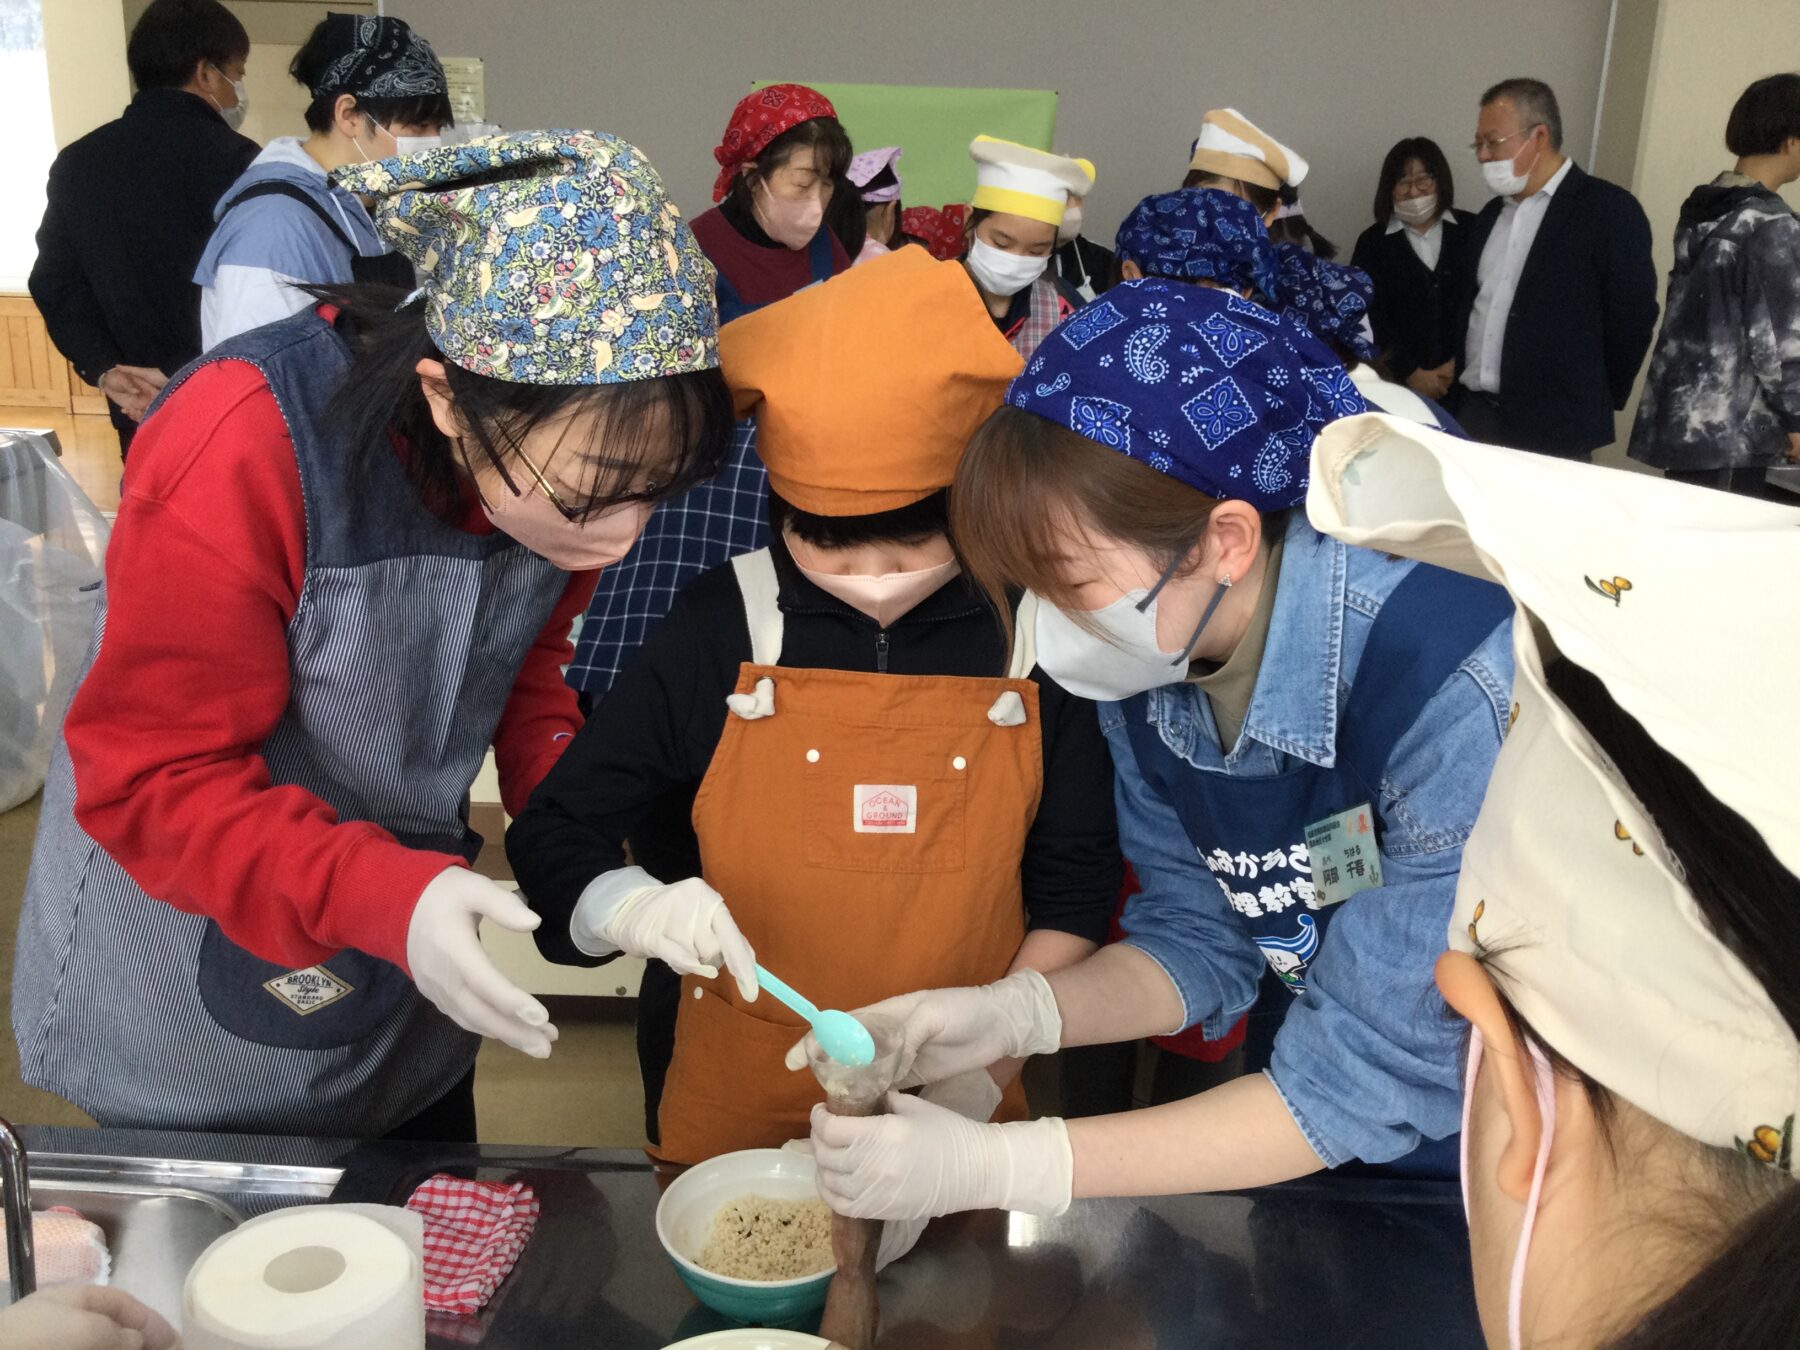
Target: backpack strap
[{"x": 289, "y": 190}]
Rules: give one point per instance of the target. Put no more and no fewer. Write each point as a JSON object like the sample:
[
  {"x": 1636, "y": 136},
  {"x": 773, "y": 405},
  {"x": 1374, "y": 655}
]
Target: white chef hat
[
  {"x": 1018, "y": 180},
  {"x": 1232, "y": 146},
  {"x": 1680, "y": 600}
]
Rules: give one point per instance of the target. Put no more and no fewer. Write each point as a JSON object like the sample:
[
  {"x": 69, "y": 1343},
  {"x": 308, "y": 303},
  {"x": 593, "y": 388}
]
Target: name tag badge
[
  {"x": 1345, "y": 859},
  {"x": 884, "y": 808}
]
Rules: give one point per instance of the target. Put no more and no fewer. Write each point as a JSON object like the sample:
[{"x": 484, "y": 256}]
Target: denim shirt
[{"x": 1367, "y": 1057}]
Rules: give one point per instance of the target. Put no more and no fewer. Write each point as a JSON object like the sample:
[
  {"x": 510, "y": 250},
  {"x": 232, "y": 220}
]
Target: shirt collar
[
  {"x": 1294, "y": 709},
  {"x": 1556, "y": 180},
  {"x": 1395, "y": 224}
]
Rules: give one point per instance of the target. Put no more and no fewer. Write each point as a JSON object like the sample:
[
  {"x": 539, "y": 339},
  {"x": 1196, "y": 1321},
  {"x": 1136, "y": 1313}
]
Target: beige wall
[
  {"x": 1340, "y": 82},
  {"x": 84, "y": 50},
  {"x": 1700, "y": 56}
]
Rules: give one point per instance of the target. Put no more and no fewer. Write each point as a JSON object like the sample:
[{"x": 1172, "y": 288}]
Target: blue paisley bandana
[
  {"x": 1331, "y": 299},
  {"x": 1200, "y": 384},
  {"x": 548, "y": 257},
  {"x": 1200, "y": 234}
]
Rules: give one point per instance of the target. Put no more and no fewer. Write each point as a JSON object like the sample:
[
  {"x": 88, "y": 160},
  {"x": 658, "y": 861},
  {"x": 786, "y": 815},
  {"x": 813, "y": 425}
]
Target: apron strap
[
  {"x": 1426, "y": 629},
  {"x": 1024, "y": 648},
  {"x": 762, "y": 604}
]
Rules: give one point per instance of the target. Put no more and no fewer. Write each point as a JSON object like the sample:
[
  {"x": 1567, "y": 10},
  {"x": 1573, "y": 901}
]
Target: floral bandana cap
[
  {"x": 548, "y": 257},
  {"x": 941, "y": 231},
  {"x": 1200, "y": 234},
  {"x": 761, "y": 116},
  {"x": 1330, "y": 299},
  {"x": 1200, "y": 384}
]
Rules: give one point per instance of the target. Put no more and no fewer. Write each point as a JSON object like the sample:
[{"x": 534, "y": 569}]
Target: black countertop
[{"x": 1331, "y": 1261}]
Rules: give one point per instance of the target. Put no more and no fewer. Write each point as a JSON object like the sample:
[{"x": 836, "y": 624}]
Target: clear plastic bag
[{"x": 52, "y": 545}]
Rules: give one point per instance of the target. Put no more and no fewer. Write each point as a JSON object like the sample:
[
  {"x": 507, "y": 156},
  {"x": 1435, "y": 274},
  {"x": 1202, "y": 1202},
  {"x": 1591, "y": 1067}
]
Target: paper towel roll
[{"x": 348, "y": 1277}]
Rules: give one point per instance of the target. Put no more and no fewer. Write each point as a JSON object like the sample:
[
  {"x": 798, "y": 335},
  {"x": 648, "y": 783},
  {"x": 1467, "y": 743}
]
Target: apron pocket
[
  {"x": 886, "y": 813},
  {"x": 338, "y": 1002},
  {"x": 728, "y": 1087}
]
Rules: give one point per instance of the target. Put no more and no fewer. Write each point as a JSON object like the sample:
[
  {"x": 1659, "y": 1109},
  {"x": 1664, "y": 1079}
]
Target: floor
[{"x": 90, "y": 449}]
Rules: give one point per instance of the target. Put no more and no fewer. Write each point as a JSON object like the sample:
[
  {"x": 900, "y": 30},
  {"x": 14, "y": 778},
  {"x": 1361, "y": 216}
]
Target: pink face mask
[
  {"x": 1545, "y": 1083},
  {"x": 887, "y": 598},
  {"x": 534, "y": 521},
  {"x": 788, "y": 222}
]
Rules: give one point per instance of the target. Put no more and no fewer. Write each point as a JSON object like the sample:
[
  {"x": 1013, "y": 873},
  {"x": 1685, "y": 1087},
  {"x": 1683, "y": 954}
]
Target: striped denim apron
[{"x": 402, "y": 650}]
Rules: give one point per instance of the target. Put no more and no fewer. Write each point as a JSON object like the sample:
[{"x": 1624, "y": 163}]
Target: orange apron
[{"x": 866, "y": 832}]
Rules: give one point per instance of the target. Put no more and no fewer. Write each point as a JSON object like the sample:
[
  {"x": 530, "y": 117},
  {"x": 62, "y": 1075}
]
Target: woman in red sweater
[{"x": 348, "y": 556}]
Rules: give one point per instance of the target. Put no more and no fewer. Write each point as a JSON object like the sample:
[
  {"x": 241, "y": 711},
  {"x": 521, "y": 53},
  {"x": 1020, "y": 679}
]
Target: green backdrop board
[{"x": 935, "y": 126}]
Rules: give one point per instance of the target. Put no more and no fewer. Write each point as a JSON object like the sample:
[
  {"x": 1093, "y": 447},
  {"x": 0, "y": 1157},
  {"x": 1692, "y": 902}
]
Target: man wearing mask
[
  {"x": 1562, "y": 304},
  {"x": 1080, "y": 262},
  {"x": 377, "y": 90},
  {"x": 1021, "y": 196},
  {"x": 115, "y": 285}
]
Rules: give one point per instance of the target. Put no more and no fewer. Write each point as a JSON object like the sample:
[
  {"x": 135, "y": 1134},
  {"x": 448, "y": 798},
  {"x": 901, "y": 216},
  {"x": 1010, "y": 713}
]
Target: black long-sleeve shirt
[
  {"x": 633, "y": 770},
  {"x": 130, "y": 208}
]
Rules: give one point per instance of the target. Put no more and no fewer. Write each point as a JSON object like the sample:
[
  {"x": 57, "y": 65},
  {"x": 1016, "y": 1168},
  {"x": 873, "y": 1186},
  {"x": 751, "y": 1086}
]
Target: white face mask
[
  {"x": 1070, "y": 229},
  {"x": 1545, "y": 1082},
  {"x": 1417, "y": 210},
  {"x": 234, "y": 115},
  {"x": 414, "y": 145},
  {"x": 1124, "y": 658},
  {"x": 1502, "y": 179},
  {"x": 1001, "y": 273}
]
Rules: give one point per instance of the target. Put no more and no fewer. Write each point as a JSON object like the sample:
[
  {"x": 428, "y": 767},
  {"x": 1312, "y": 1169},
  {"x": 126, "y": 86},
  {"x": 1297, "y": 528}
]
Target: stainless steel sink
[{"x": 159, "y": 1215}]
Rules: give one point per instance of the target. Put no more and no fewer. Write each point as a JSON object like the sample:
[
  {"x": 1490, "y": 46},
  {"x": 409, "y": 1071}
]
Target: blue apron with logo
[{"x": 1251, "y": 832}]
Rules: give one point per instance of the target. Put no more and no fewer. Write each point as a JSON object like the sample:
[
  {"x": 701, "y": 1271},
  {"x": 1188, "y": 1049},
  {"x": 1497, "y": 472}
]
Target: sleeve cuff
[
  {"x": 373, "y": 895},
  {"x": 1328, "y": 1155},
  {"x": 599, "y": 901},
  {"x": 1201, "y": 1000}
]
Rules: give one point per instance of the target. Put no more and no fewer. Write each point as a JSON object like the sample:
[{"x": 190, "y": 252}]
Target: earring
[{"x": 1225, "y": 580}]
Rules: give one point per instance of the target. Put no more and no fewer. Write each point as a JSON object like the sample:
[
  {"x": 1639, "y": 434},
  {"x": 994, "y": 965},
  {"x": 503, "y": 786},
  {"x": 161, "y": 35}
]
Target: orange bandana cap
[{"x": 866, "y": 389}]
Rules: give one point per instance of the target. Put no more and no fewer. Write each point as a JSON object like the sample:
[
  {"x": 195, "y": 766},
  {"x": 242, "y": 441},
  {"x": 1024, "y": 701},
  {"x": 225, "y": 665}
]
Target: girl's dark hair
[
  {"x": 923, "y": 519},
  {"x": 1299, "y": 230},
  {"x": 677, "y": 425},
  {"x": 1765, "y": 117},
  {"x": 312, "y": 61},
  {"x": 1745, "y": 1294},
  {"x": 172, "y": 37},
  {"x": 830, "y": 145},
  {"x": 1431, "y": 156},
  {"x": 1264, "y": 199},
  {"x": 848, "y": 217}
]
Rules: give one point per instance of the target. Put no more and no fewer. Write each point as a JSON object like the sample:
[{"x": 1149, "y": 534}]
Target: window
[{"x": 28, "y": 145}]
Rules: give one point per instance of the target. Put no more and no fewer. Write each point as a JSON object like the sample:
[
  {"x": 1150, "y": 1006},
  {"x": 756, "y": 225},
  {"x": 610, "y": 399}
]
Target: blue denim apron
[{"x": 1255, "y": 828}]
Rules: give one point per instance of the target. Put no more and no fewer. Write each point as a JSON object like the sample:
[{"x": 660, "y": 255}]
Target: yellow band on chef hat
[
  {"x": 1665, "y": 593},
  {"x": 1019, "y": 180}
]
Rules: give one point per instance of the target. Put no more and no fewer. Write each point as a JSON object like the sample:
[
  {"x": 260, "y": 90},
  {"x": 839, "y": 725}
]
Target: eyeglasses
[
  {"x": 543, "y": 486},
  {"x": 1423, "y": 183},
  {"x": 1493, "y": 143}
]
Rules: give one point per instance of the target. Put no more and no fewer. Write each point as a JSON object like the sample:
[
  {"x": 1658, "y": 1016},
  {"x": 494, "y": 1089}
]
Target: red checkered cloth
[{"x": 474, "y": 1232}]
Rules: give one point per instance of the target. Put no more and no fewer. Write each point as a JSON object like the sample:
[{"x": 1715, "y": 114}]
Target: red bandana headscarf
[
  {"x": 759, "y": 118},
  {"x": 940, "y": 231}
]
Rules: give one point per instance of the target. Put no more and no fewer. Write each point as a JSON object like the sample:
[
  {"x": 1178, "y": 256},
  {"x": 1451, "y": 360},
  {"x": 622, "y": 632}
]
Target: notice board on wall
[{"x": 934, "y": 127}]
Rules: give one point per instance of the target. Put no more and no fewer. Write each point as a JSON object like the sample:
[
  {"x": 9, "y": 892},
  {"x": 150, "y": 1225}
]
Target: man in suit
[
  {"x": 1561, "y": 305},
  {"x": 130, "y": 208}
]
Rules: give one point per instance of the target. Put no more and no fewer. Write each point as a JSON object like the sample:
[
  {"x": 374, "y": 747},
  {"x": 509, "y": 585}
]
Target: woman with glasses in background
[{"x": 1415, "y": 252}]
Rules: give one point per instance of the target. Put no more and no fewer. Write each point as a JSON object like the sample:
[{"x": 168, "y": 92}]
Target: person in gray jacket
[{"x": 1721, "y": 404}]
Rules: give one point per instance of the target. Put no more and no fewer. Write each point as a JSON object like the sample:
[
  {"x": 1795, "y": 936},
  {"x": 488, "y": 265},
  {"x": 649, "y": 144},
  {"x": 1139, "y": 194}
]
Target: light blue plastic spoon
[{"x": 839, "y": 1034}]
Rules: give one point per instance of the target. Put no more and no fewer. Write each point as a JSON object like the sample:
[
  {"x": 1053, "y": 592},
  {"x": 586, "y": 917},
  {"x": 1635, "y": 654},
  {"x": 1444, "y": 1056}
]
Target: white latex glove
[
  {"x": 450, "y": 968},
  {"x": 947, "y": 1032},
  {"x": 84, "y": 1317},
  {"x": 922, "y": 1161},
  {"x": 685, "y": 925},
  {"x": 898, "y": 1236}
]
